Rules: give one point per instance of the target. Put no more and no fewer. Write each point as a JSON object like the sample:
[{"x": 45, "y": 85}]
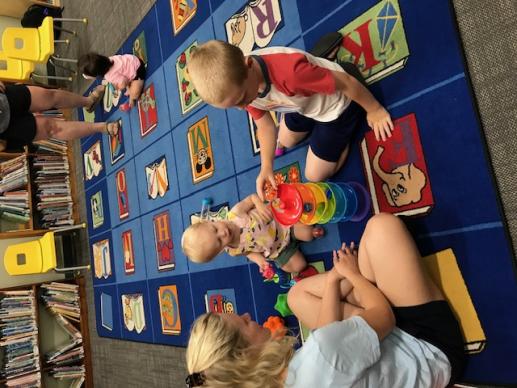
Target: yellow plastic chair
[
  {"x": 35, "y": 45},
  {"x": 41, "y": 255},
  {"x": 18, "y": 70},
  {"x": 30, "y": 44},
  {"x": 15, "y": 70}
]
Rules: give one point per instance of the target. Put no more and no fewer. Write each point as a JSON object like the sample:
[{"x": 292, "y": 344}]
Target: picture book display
[{"x": 396, "y": 170}]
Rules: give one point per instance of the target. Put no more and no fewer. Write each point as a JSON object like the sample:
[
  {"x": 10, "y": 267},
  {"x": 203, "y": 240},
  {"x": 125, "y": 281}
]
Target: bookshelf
[
  {"x": 56, "y": 333},
  {"x": 49, "y": 179}
]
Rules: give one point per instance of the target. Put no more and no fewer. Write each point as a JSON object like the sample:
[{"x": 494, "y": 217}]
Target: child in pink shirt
[{"x": 122, "y": 71}]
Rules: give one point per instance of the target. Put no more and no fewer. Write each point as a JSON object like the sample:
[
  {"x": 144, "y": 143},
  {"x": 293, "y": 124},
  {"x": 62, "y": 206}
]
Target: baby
[
  {"x": 251, "y": 231},
  {"x": 123, "y": 71}
]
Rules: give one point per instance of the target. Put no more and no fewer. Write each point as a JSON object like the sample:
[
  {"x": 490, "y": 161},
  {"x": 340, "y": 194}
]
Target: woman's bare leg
[
  {"x": 388, "y": 257},
  {"x": 44, "y": 99},
  {"x": 65, "y": 130},
  {"x": 304, "y": 299}
]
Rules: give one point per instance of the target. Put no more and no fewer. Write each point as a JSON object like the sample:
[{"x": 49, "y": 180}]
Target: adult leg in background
[
  {"x": 66, "y": 130},
  {"x": 44, "y": 99}
]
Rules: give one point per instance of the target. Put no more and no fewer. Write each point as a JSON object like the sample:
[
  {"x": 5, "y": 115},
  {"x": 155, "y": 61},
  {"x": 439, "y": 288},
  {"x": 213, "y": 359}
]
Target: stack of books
[
  {"x": 62, "y": 298},
  {"x": 14, "y": 198},
  {"x": 66, "y": 361},
  {"x": 19, "y": 339},
  {"x": 52, "y": 186},
  {"x": 53, "y": 146}
]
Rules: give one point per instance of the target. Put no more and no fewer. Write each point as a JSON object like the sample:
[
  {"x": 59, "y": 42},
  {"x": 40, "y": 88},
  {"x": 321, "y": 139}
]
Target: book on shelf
[
  {"x": 62, "y": 299},
  {"x": 52, "y": 187},
  {"x": 13, "y": 174},
  {"x": 14, "y": 197},
  {"x": 19, "y": 363},
  {"x": 67, "y": 360},
  {"x": 51, "y": 145}
]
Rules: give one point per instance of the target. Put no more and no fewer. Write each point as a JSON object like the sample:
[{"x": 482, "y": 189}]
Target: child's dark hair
[{"x": 94, "y": 65}]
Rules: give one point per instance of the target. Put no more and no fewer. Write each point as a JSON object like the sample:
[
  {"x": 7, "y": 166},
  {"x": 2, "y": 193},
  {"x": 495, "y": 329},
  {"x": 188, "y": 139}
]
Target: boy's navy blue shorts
[{"x": 328, "y": 139}]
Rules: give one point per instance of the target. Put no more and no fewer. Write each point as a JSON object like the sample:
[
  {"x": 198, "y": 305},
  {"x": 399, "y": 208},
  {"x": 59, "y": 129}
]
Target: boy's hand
[
  {"x": 345, "y": 261},
  {"x": 265, "y": 175},
  {"x": 380, "y": 121}
]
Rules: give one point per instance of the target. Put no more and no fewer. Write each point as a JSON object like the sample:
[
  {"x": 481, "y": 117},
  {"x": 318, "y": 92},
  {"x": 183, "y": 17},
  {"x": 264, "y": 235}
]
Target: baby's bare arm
[
  {"x": 244, "y": 206},
  {"x": 253, "y": 203},
  {"x": 258, "y": 259}
]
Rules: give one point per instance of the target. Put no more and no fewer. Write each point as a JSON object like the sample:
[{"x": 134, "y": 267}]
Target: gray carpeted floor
[{"x": 489, "y": 35}]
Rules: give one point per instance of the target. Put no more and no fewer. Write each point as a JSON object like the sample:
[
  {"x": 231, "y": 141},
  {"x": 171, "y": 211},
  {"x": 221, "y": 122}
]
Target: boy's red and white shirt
[{"x": 298, "y": 82}]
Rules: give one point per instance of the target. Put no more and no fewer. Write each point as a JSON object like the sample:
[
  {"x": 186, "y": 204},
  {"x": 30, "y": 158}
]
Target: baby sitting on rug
[{"x": 250, "y": 230}]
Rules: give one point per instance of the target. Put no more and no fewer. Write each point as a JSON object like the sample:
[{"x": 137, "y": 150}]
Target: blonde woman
[{"x": 377, "y": 320}]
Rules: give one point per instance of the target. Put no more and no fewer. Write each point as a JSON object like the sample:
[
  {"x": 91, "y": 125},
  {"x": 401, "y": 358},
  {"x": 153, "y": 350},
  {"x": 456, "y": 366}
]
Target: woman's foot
[
  {"x": 112, "y": 128},
  {"x": 95, "y": 97}
]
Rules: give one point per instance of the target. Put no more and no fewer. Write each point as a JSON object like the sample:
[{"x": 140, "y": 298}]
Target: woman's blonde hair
[
  {"x": 215, "y": 66},
  {"x": 219, "y": 351}
]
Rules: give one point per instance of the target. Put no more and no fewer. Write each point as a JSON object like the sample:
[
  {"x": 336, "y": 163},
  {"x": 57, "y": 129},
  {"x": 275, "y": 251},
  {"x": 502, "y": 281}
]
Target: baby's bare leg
[
  {"x": 135, "y": 90},
  {"x": 303, "y": 232},
  {"x": 296, "y": 263}
]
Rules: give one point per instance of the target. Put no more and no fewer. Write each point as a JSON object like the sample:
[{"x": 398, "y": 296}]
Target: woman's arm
[
  {"x": 377, "y": 310},
  {"x": 330, "y": 310}
]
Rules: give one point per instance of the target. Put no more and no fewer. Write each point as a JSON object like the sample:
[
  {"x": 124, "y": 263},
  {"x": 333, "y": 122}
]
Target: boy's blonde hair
[
  {"x": 219, "y": 351},
  {"x": 215, "y": 66},
  {"x": 191, "y": 246}
]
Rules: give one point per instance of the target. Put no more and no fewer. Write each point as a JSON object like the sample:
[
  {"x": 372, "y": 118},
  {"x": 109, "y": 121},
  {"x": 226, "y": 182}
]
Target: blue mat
[{"x": 133, "y": 212}]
